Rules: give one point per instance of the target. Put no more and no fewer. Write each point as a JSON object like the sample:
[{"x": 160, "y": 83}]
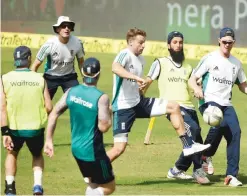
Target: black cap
[
  {"x": 91, "y": 69},
  {"x": 173, "y": 34},
  {"x": 22, "y": 55},
  {"x": 227, "y": 32}
]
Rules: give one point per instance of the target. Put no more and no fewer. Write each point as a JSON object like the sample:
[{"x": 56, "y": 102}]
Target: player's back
[
  {"x": 87, "y": 140},
  {"x": 126, "y": 91},
  {"x": 24, "y": 91}
]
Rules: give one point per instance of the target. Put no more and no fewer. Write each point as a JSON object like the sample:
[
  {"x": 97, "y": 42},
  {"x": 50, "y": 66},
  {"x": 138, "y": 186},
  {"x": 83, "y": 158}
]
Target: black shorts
[
  {"x": 100, "y": 171},
  {"x": 66, "y": 82},
  {"x": 123, "y": 119},
  {"x": 34, "y": 144}
]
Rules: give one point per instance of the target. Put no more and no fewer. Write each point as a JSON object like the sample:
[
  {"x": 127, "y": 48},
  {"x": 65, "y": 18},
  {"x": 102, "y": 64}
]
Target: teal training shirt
[{"x": 87, "y": 140}]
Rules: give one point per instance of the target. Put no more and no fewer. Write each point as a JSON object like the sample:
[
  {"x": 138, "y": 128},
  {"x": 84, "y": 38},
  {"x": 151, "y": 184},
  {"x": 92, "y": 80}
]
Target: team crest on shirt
[
  {"x": 55, "y": 54},
  {"x": 172, "y": 70},
  {"x": 234, "y": 70},
  {"x": 216, "y": 68},
  {"x": 131, "y": 67},
  {"x": 72, "y": 52}
]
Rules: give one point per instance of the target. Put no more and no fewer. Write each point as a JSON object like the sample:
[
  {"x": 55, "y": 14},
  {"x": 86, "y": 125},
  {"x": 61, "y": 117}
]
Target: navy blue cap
[
  {"x": 173, "y": 34},
  {"x": 91, "y": 69},
  {"x": 21, "y": 55},
  {"x": 227, "y": 32}
]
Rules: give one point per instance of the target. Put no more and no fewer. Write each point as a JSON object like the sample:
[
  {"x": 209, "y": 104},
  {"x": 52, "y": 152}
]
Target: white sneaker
[
  {"x": 207, "y": 165},
  {"x": 195, "y": 148},
  {"x": 178, "y": 175},
  {"x": 232, "y": 181},
  {"x": 200, "y": 176}
]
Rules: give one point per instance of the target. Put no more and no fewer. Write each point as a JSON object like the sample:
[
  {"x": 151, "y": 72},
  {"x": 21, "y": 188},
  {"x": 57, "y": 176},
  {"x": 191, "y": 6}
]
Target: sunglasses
[
  {"x": 227, "y": 42},
  {"x": 63, "y": 26}
]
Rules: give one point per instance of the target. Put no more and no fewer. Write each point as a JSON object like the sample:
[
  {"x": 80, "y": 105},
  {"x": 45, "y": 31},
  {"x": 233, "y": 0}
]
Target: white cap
[{"x": 62, "y": 19}]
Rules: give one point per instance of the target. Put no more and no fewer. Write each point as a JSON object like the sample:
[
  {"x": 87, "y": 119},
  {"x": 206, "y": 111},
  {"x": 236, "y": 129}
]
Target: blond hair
[{"x": 134, "y": 32}]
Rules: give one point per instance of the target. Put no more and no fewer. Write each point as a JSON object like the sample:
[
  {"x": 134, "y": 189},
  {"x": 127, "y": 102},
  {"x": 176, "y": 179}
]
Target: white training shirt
[
  {"x": 219, "y": 74},
  {"x": 60, "y": 57},
  {"x": 125, "y": 91}
]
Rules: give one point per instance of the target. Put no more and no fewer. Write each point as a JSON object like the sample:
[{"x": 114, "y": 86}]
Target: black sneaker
[{"x": 10, "y": 188}]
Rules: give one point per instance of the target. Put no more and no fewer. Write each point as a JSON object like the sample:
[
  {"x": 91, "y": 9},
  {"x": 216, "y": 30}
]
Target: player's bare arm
[
  {"x": 80, "y": 62},
  {"x": 148, "y": 82},
  {"x": 58, "y": 110},
  {"x": 123, "y": 73},
  {"x": 195, "y": 87},
  {"x": 36, "y": 64},
  {"x": 7, "y": 141},
  {"x": 104, "y": 113},
  {"x": 48, "y": 102},
  {"x": 243, "y": 87}
]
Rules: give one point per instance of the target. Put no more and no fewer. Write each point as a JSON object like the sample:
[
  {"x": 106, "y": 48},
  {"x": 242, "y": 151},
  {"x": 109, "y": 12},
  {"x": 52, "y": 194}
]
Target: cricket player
[
  {"x": 25, "y": 104},
  {"x": 220, "y": 71},
  {"x": 60, "y": 52},
  {"x": 173, "y": 74},
  {"x": 90, "y": 117}
]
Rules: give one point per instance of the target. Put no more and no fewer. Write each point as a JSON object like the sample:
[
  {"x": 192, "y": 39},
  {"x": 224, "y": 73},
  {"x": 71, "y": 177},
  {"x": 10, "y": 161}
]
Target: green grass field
[{"x": 141, "y": 170}]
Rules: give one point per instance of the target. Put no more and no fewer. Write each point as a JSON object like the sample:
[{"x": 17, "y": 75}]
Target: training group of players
[{"x": 26, "y": 106}]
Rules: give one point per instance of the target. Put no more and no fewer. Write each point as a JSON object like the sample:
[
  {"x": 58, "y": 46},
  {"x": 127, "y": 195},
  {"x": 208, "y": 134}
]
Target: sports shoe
[
  {"x": 232, "y": 181},
  {"x": 195, "y": 148},
  {"x": 207, "y": 165},
  {"x": 200, "y": 176},
  {"x": 10, "y": 188},
  {"x": 178, "y": 175},
  {"x": 38, "y": 190}
]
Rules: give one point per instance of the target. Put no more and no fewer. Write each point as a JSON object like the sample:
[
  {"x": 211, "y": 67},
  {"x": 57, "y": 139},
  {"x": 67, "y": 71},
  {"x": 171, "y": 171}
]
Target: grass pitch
[{"x": 141, "y": 170}]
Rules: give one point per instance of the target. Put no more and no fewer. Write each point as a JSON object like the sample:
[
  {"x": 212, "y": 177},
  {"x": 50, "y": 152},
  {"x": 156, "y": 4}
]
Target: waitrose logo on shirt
[{"x": 24, "y": 83}]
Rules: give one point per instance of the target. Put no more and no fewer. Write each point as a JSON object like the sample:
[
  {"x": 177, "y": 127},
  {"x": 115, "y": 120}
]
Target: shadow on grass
[
  {"x": 68, "y": 144},
  {"x": 161, "y": 181}
]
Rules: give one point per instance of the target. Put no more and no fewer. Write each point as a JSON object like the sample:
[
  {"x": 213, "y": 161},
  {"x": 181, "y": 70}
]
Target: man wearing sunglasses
[
  {"x": 60, "y": 52},
  {"x": 220, "y": 71}
]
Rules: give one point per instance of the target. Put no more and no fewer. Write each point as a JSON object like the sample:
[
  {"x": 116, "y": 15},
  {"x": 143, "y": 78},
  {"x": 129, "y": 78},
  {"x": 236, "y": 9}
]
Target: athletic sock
[
  {"x": 37, "y": 174},
  {"x": 10, "y": 179},
  {"x": 186, "y": 140}
]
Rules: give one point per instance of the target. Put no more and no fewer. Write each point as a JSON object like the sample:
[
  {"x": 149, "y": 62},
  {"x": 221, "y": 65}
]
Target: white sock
[
  {"x": 37, "y": 174},
  {"x": 10, "y": 179},
  {"x": 98, "y": 191}
]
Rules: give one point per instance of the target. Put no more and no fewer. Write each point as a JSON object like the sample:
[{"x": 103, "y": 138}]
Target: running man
[
  {"x": 173, "y": 75},
  {"x": 25, "y": 102},
  {"x": 90, "y": 117},
  {"x": 128, "y": 104},
  {"x": 220, "y": 71},
  {"x": 60, "y": 52}
]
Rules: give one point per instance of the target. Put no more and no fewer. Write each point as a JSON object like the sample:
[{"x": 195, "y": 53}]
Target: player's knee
[{"x": 173, "y": 107}]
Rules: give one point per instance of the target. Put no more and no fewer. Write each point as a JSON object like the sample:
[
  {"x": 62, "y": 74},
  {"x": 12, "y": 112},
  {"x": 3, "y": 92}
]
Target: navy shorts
[
  {"x": 123, "y": 119},
  {"x": 66, "y": 82},
  {"x": 100, "y": 171},
  {"x": 35, "y": 144}
]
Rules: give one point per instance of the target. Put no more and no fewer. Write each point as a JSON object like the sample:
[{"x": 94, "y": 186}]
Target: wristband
[{"x": 5, "y": 130}]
